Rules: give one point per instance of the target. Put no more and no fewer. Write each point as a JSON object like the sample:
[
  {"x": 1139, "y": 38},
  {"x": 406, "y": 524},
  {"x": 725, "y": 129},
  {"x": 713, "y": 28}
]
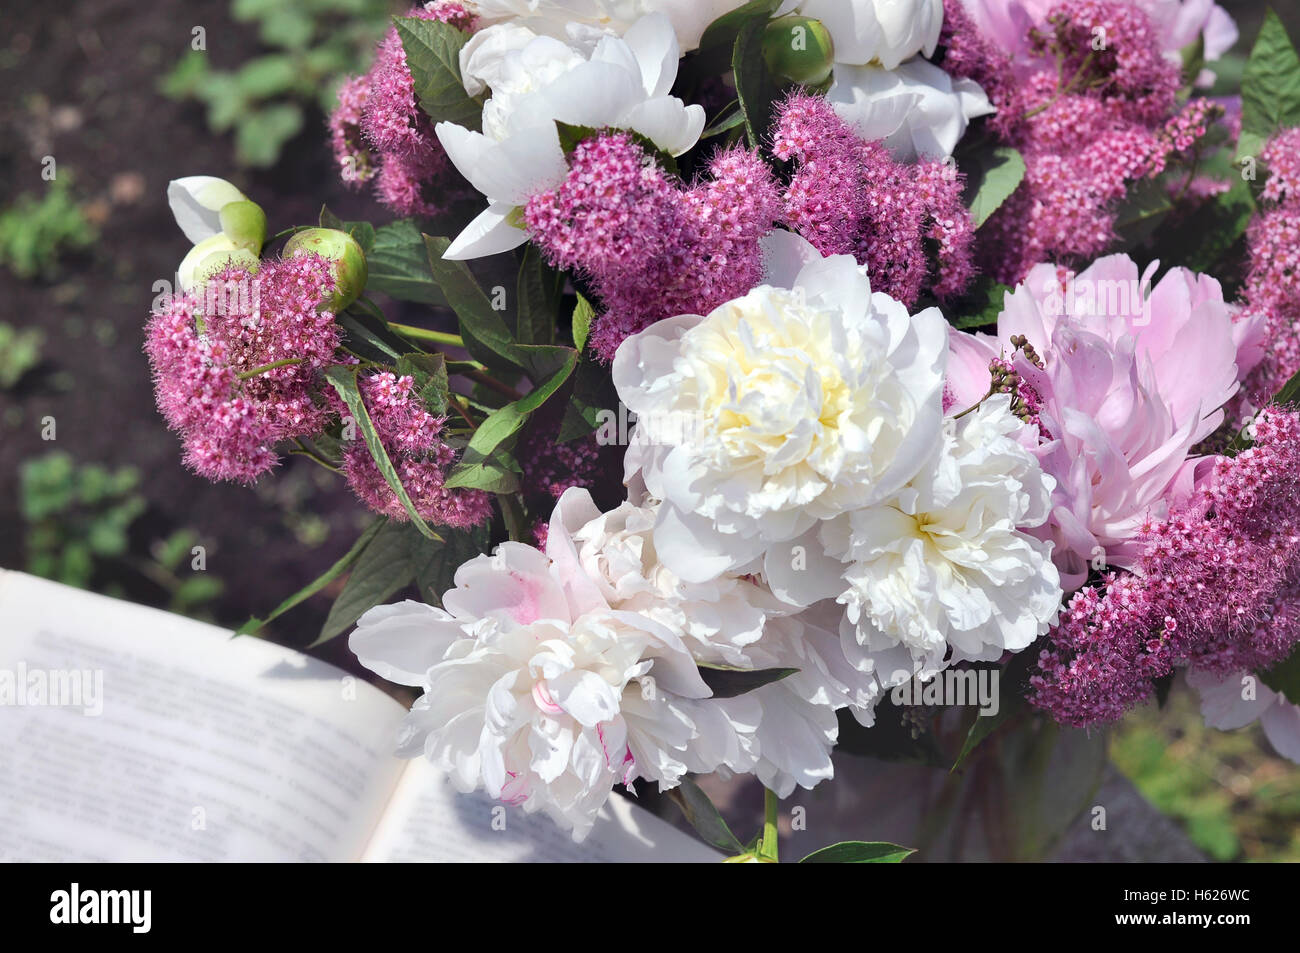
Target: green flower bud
[
  {"x": 798, "y": 49},
  {"x": 244, "y": 223},
  {"x": 350, "y": 271},
  {"x": 209, "y": 257}
]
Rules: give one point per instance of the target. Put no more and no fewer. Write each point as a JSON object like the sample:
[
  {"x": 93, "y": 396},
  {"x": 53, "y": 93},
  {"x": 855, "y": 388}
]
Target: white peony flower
[
  {"x": 558, "y": 17},
  {"x": 796, "y": 403},
  {"x": 944, "y": 570},
  {"x": 916, "y": 108},
  {"x": 879, "y": 84},
  {"x": 782, "y": 732},
  {"x": 1226, "y": 704},
  {"x": 536, "y": 80},
  {"x": 536, "y": 690},
  {"x": 885, "y": 32}
]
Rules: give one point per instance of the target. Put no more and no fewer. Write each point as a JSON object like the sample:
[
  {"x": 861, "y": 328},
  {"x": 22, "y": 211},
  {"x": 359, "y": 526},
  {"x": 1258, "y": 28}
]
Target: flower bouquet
[{"x": 778, "y": 375}]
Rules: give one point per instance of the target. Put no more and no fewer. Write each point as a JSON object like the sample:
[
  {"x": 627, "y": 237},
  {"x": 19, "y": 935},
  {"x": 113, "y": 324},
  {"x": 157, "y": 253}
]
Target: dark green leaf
[
  {"x": 320, "y": 582},
  {"x": 485, "y": 332},
  {"x": 362, "y": 232},
  {"x": 435, "y": 564},
  {"x": 859, "y": 852},
  {"x": 1284, "y": 677},
  {"x": 991, "y": 177},
  {"x": 344, "y": 380},
  {"x": 755, "y": 87},
  {"x": 399, "y": 265},
  {"x": 382, "y": 569},
  {"x": 537, "y": 295},
  {"x": 980, "y": 306},
  {"x": 368, "y": 338},
  {"x": 593, "y": 392},
  {"x": 1270, "y": 87},
  {"x": 1206, "y": 236},
  {"x": 433, "y": 55},
  {"x": 1141, "y": 212},
  {"x": 704, "y": 817},
  {"x": 430, "y": 374},
  {"x": 483, "y": 466},
  {"x": 728, "y": 682},
  {"x": 722, "y": 32}
]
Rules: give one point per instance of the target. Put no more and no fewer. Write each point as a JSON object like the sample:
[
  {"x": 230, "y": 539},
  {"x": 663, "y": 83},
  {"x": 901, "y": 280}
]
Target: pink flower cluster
[
  {"x": 1089, "y": 123},
  {"x": 380, "y": 132},
  {"x": 650, "y": 246},
  {"x": 1272, "y": 287},
  {"x": 851, "y": 197},
  {"x": 213, "y": 354},
  {"x": 411, "y": 436},
  {"x": 1217, "y": 585}
]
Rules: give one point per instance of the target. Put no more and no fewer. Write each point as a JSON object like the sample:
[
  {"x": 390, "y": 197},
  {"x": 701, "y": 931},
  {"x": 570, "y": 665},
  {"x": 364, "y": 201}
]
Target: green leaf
[
  {"x": 704, "y": 817},
  {"x": 726, "y": 124},
  {"x": 859, "y": 852},
  {"x": 485, "y": 332},
  {"x": 728, "y": 682},
  {"x": 383, "y": 568},
  {"x": 571, "y": 136},
  {"x": 1206, "y": 236},
  {"x": 1011, "y": 684},
  {"x": 1288, "y": 395},
  {"x": 723, "y": 31},
  {"x": 320, "y": 582},
  {"x": 430, "y": 373},
  {"x": 369, "y": 339},
  {"x": 263, "y": 132},
  {"x": 265, "y": 76},
  {"x": 991, "y": 177},
  {"x": 399, "y": 265},
  {"x": 433, "y": 55},
  {"x": 1270, "y": 87},
  {"x": 434, "y": 564},
  {"x": 755, "y": 87},
  {"x": 1284, "y": 677},
  {"x": 1141, "y": 212},
  {"x": 537, "y": 294},
  {"x": 980, "y": 306},
  {"x": 362, "y": 232},
  {"x": 593, "y": 392},
  {"x": 482, "y": 466},
  {"x": 344, "y": 380},
  {"x": 583, "y": 312}
]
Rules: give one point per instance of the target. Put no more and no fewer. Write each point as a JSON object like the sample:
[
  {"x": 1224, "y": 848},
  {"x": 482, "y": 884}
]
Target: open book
[{"x": 129, "y": 734}]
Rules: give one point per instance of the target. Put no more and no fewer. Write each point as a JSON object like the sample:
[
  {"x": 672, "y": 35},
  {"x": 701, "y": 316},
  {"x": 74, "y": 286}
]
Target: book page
[
  {"x": 130, "y": 734},
  {"x": 428, "y": 820}
]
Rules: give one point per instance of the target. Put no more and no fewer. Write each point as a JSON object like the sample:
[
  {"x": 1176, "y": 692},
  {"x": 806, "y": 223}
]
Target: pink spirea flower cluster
[
  {"x": 199, "y": 345},
  {"x": 378, "y": 131},
  {"x": 1217, "y": 585},
  {"x": 651, "y": 246},
  {"x": 851, "y": 197},
  {"x": 1088, "y": 129},
  {"x": 1272, "y": 286},
  {"x": 412, "y": 438},
  {"x": 969, "y": 54}
]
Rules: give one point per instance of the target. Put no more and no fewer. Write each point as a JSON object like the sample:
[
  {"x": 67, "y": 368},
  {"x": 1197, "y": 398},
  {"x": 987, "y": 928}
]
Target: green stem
[
  {"x": 424, "y": 334},
  {"x": 513, "y": 515},
  {"x": 287, "y": 362},
  {"x": 767, "y": 847}
]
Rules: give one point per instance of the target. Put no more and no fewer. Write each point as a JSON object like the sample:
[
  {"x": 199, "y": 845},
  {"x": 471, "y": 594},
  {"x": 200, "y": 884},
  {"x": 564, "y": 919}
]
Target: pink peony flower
[{"x": 1133, "y": 376}]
